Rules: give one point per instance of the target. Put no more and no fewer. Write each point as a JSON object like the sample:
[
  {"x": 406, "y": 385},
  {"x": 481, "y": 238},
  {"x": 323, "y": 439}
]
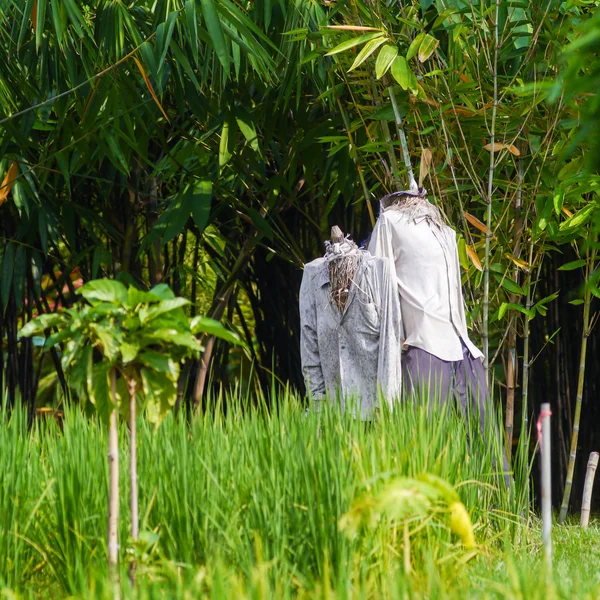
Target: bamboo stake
[
  {"x": 579, "y": 400},
  {"x": 587, "y": 488},
  {"x": 113, "y": 504},
  {"x": 546, "y": 485},
  {"x": 133, "y": 476},
  {"x": 488, "y": 233}
]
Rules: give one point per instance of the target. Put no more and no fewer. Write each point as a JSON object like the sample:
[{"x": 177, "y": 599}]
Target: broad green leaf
[
  {"x": 354, "y": 42},
  {"x": 248, "y": 130},
  {"x": 579, "y": 218},
  {"x": 571, "y": 266},
  {"x": 215, "y": 31},
  {"x": 212, "y": 327},
  {"x": 172, "y": 336},
  {"x": 400, "y": 72},
  {"x": 98, "y": 388},
  {"x": 110, "y": 340},
  {"x": 40, "y": 324},
  {"x": 150, "y": 312},
  {"x": 158, "y": 361},
  {"x": 385, "y": 59},
  {"x": 129, "y": 351},
  {"x": 161, "y": 394},
  {"x": 368, "y": 49},
  {"x": 163, "y": 291},
  {"x": 427, "y": 47},
  {"x": 104, "y": 290},
  {"x": 512, "y": 306},
  {"x": 200, "y": 203},
  {"x": 414, "y": 46},
  {"x": 510, "y": 285}
]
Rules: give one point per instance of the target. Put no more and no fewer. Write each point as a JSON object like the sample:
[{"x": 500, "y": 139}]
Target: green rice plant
[{"x": 247, "y": 498}]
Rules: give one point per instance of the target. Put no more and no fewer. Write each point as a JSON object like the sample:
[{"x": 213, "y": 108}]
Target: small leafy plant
[{"x": 122, "y": 349}]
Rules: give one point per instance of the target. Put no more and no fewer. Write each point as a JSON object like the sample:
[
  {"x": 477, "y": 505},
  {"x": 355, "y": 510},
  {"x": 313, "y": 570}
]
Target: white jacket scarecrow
[{"x": 350, "y": 327}]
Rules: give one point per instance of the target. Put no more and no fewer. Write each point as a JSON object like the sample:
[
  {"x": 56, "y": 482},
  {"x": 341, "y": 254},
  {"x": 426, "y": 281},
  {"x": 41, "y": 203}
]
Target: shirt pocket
[{"x": 370, "y": 317}]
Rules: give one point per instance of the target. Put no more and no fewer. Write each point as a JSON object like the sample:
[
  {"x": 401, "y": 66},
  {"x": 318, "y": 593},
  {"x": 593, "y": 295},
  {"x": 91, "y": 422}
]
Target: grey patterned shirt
[{"x": 357, "y": 352}]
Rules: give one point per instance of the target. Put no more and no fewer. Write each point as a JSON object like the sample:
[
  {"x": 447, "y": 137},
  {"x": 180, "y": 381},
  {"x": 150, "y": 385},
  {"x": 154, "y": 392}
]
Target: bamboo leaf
[
  {"x": 215, "y": 31},
  {"x": 385, "y": 59},
  {"x": 414, "y": 46},
  {"x": 8, "y": 181},
  {"x": 473, "y": 256},
  {"x": 579, "y": 218},
  {"x": 571, "y": 266},
  {"x": 368, "y": 49},
  {"x": 150, "y": 88},
  {"x": 353, "y": 42},
  {"x": 426, "y": 159},
  {"x": 200, "y": 203},
  {"x": 400, "y": 72},
  {"x": 351, "y": 28},
  {"x": 498, "y": 146},
  {"x": 224, "y": 154},
  {"x": 192, "y": 27},
  {"x": 475, "y": 222},
  {"x": 427, "y": 47}
]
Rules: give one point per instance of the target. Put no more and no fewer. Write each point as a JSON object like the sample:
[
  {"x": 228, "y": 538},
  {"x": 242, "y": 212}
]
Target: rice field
[{"x": 246, "y": 502}]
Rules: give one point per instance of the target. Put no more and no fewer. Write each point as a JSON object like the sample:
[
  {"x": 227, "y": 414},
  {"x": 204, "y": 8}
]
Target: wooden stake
[
  {"x": 133, "y": 476},
  {"x": 546, "y": 485},
  {"x": 113, "y": 491},
  {"x": 587, "y": 488}
]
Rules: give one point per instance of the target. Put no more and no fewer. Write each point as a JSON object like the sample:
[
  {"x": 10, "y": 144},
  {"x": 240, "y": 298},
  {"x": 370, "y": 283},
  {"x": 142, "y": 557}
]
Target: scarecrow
[
  {"x": 350, "y": 327},
  {"x": 439, "y": 360}
]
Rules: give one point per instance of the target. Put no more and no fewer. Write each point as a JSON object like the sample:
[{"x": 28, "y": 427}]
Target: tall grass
[{"x": 246, "y": 502}]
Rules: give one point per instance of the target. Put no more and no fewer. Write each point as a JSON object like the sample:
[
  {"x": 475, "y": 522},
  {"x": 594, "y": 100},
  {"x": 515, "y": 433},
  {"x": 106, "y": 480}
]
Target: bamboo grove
[{"x": 210, "y": 144}]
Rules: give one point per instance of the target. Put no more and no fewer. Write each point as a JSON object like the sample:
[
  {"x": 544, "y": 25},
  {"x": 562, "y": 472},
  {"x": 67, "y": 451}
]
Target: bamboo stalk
[
  {"x": 526, "y": 338},
  {"x": 488, "y": 233},
  {"x": 133, "y": 476},
  {"x": 401, "y": 135},
  {"x": 113, "y": 504},
  {"x": 578, "y": 401},
  {"x": 587, "y": 488},
  {"x": 546, "y": 485}
]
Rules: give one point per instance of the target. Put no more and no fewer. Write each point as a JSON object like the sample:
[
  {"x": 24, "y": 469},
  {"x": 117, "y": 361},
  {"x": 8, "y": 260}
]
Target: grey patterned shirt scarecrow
[{"x": 350, "y": 328}]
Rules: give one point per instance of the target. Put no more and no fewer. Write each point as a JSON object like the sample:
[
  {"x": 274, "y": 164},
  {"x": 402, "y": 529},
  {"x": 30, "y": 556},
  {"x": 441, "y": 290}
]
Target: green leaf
[
  {"x": 354, "y": 42},
  {"x": 172, "y": 336},
  {"x": 40, "y": 324},
  {"x": 165, "y": 306},
  {"x": 571, "y": 266},
  {"x": 215, "y": 31},
  {"x": 129, "y": 351},
  {"x": 161, "y": 394},
  {"x": 509, "y": 285},
  {"x": 200, "y": 203},
  {"x": 512, "y": 306},
  {"x": 192, "y": 27},
  {"x": 400, "y": 72},
  {"x": 368, "y": 49},
  {"x": 414, "y": 46},
  {"x": 579, "y": 218},
  {"x": 162, "y": 291},
  {"x": 427, "y": 47},
  {"x": 158, "y": 361},
  {"x": 224, "y": 154},
  {"x": 212, "y": 327},
  {"x": 385, "y": 59},
  {"x": 98, "y": 388},
  {"x": 104, "y": 290},
  {"x": 249, "y": 132}
]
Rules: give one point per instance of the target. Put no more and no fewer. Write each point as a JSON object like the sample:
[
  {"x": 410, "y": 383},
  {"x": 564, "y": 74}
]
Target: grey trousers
[{"x": 464, "y": 380}]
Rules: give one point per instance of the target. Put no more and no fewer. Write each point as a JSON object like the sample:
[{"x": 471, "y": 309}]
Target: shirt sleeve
[
  {"x": 309, "y": 346},
  {"x": 389, "y": 371},
  {"x": 381, "y": 240}
]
